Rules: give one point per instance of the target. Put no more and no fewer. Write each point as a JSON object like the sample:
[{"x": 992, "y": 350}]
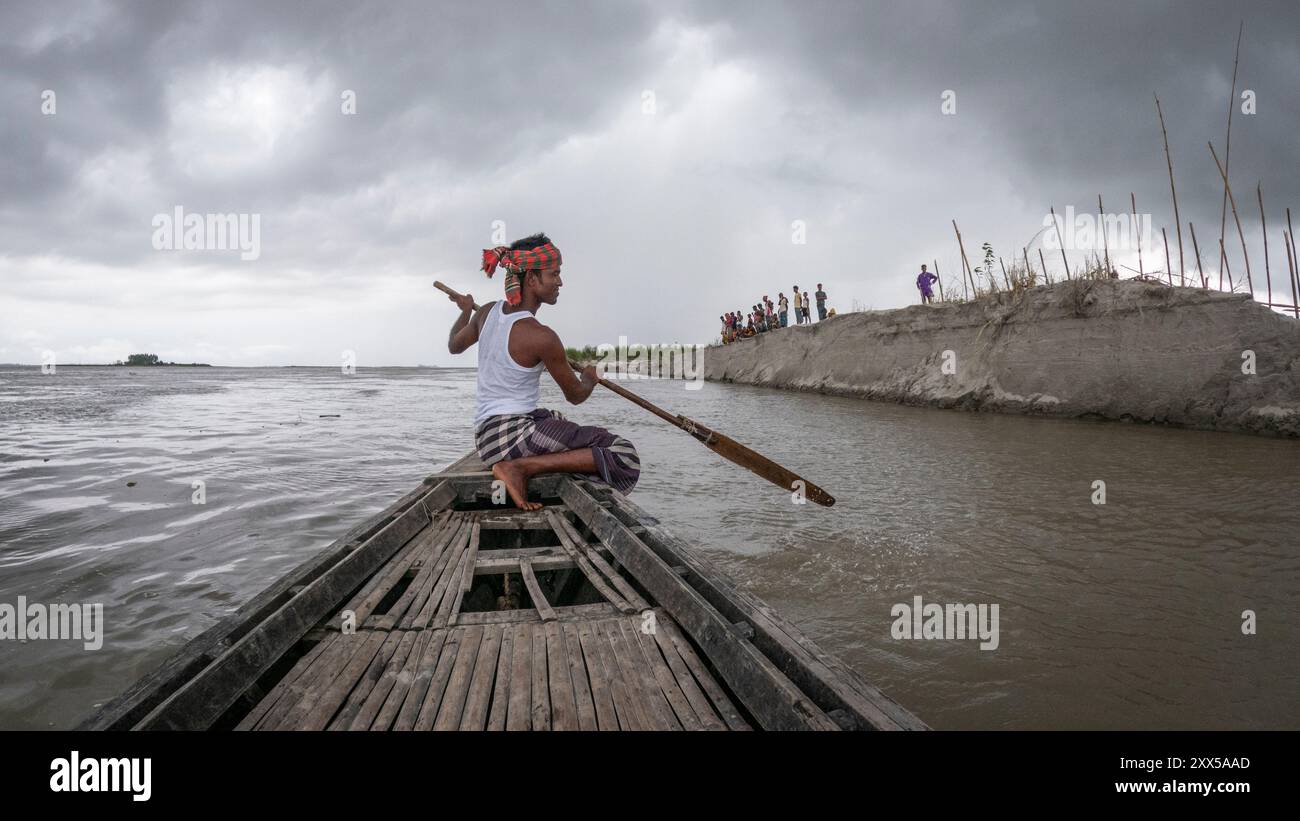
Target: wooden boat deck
[{"x": 448, "y": 611}]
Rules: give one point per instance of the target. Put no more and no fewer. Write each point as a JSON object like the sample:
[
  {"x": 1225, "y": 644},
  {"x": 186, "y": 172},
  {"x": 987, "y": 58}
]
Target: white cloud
[{"x": 235, "y": 120}]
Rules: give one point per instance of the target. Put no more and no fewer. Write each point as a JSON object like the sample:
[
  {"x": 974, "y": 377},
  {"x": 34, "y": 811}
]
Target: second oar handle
[{"x": 449, "y": 292}]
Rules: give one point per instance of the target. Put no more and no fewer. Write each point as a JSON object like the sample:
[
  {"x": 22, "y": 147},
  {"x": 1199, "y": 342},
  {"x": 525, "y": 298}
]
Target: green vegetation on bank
[{"x": 584, "y": 354}]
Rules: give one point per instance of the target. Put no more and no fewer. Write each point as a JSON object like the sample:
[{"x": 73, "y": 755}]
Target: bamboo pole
[
  {"x": 965, "y": 262},
  {"x": 1169, "y": 268},
  {"x": 1197, "y": 247},
  {"x": 1005, "y": 278},
  {"x": 1295, "y": 266},
  {"x": 1263, "y": 227},
  {"x": 1134, "y": 231},
  {"x": 1227, "y": 150},
  {"x": 1223, "y": 257},
  {"x": 1223, "y": 171},
  {"x": 1290, "y": 271},
  {"x": 1029, "y": 271},
  {"x": 939, "y": 281},
  {"x": 1105, "y": 243},
  {"x": 1047, "y": 278},
  {"x": 1060, "y": 241},
  {"x": 1182, "y": 267},
  {"x": 1288, "y": 242}
]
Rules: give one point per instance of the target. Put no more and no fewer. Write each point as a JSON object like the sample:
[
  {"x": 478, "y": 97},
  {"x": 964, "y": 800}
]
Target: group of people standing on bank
[{"x": 767, "y": 315}]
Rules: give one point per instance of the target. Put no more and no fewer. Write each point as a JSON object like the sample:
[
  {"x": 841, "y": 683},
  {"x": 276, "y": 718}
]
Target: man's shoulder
[
  {"x": 535, "y": 330},
  {"x": 480, "y": 316},
  {"x": 532, "y": 322}
]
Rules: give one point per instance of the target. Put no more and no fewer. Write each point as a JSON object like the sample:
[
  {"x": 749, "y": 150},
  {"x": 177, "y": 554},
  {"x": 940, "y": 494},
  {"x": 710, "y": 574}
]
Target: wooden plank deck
[
  {"x": 422, "y": 663},
  {"x": 588, "y": 673},
  {"x": 425, "y": 664},
  {"x": 447, "y": 612}
]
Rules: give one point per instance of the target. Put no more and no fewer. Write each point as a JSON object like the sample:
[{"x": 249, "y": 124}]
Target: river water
[{"x": 1127, "y": 614}]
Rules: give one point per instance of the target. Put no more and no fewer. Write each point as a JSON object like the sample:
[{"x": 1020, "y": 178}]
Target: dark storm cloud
[
  {"x": 1066, "y": 88},
  {"x": 468, "y": 84},
  {"x": 529, "y": 112}
]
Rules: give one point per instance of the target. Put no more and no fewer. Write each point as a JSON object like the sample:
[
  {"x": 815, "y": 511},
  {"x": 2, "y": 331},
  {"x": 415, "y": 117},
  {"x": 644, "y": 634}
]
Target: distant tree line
[{"x": 142, "y": 359}]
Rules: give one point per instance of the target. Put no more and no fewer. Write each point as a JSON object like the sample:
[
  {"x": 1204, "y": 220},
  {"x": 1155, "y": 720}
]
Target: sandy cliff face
[{"x": 1117, "y": 350}]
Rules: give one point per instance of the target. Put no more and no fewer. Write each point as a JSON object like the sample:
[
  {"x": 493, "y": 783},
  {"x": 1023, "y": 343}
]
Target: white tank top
[{"x": 504, "y": 386}]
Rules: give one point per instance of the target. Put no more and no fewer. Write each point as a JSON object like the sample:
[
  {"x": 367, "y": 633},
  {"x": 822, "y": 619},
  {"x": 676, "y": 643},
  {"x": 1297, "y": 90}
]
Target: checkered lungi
[{"x": 515, "y": 436}]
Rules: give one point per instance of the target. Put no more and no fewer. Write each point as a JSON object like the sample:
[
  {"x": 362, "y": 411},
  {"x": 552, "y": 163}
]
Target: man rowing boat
[{"x": 517, "y": 438}]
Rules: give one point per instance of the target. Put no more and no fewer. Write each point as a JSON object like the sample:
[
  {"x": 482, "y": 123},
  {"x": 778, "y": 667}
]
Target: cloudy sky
[{"x": 667, "y": 147}]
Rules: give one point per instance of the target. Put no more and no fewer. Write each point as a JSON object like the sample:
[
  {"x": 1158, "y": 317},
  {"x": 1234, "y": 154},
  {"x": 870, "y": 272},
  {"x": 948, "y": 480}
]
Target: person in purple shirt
[{"x": 923, "y": 281}]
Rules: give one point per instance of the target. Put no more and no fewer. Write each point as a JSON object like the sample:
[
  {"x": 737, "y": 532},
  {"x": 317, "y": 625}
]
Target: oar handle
[{"x": 449, "y": 292}]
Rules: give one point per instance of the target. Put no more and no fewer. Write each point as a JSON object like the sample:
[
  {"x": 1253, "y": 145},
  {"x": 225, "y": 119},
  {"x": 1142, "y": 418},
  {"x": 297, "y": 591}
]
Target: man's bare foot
[{"x": 516, "y": 484}]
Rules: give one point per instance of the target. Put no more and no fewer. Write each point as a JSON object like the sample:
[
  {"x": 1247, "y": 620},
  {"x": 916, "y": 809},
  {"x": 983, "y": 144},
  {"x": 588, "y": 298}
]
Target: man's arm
[
  {"x": 464, "y": 332},
  {"x": 551, "y": 351}
]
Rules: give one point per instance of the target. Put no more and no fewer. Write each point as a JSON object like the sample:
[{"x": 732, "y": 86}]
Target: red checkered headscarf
[{"x": 516, "y": 262}]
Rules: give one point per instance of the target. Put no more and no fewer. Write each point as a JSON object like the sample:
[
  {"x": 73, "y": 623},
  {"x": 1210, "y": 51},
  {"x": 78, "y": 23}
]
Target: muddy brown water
[{"x": 1127, "y": 614}]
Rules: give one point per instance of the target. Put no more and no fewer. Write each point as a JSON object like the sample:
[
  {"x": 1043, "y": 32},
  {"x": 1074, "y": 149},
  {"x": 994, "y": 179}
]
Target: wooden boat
[{"x": 609, "y": 623}]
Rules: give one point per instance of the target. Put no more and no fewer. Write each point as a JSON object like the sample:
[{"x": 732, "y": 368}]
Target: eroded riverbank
[{"x": 1108, "y": 349}]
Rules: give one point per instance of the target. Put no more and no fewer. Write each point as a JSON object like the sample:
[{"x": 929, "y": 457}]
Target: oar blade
[{"x": 760, "y": 465}]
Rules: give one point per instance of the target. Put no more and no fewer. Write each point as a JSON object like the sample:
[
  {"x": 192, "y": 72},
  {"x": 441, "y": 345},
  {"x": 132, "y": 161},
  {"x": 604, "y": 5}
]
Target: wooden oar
[{"x": 719, "y": 443}]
